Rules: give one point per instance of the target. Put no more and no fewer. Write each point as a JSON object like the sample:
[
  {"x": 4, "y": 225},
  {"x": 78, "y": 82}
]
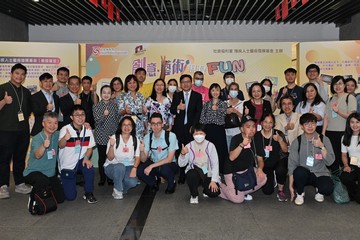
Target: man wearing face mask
[
  {"x": 229, "y": 78},
  {"x": 198, "y": 86}
]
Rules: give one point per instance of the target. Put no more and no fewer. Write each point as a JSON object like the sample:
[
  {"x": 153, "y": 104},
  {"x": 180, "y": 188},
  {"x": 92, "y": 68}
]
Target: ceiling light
[{"x": 36, "y": 0}]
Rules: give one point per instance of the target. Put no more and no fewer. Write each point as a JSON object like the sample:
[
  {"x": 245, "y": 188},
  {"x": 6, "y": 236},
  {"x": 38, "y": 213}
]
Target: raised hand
[
  {"x": 8, "y": 99},
  {"x": 77, "y": 101},
  {"x": 93, "y": 88},
  {"x": 246, "y": 140},
  {"x": 46, "y": 142},
  {"x": 284, "y": 91},
  {"x": 181, "y": 106},
  {"x": 184, "y": 150},
  {"x": 55, "y": 87},
  {"x": 144, "y": 109},
  {"x": 335, "y": 107},
  {"x": 50, "y": 106},
  {"x": 106, "y": 112},
  {"x": 127, "y": 109},
  {"x": 246, "y": 111},
  {"x": 111, "y": 141},
  {"x": 67, "y": 134},
  {"x": 318, "y": 143},
  {"x": 277, "y": 137},
  {"x": 275, "y": 94},
  {"x": 142, "y": 146}
]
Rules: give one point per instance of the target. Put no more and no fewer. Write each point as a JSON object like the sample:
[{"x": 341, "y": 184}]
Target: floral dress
[{"x": 163, "y": 108}]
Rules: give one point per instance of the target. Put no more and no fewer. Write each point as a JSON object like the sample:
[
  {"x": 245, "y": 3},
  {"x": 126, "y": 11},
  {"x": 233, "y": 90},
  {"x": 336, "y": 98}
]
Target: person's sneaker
[
  {"x": 194, "y": 200},
  {"x": 205, "y": 196},
  {"x": 281, "y": 196},
  {"x": 22, "y": 188},
  {"x": 319, "y": 197},
  {"x": 117, "y": 194},
  {"x": 248, "y": 197},
  {"x": 299, "y": 200},
  {"x": 4, "y": 192},
  {"x": 90, "y": 198}
]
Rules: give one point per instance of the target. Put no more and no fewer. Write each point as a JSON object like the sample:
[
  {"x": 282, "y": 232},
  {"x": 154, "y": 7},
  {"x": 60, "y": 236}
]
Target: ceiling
[{"x": 83, "y": 12}]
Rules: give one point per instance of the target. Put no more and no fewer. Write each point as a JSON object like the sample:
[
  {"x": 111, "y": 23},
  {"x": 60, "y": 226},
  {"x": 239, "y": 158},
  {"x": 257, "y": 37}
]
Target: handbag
[
  {"x": 68, "y": 174},
  {"x": 42, "y": 202},
  {"x": 232, "y": 120},
  {"x": 245, "y": 181},
  {"x": 340, "y": 194}
]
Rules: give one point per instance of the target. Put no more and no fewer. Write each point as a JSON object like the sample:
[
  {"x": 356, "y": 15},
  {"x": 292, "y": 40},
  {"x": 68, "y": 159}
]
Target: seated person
[
  {"x": 75, "y": 149},
  {"x": 158, "y": 152},
  {"x": 202, "y": 165},
  {"x": 243, "y": 155},
  {"x": 308, "y": 161},
  {"x": 40, "y": 172},
  {"x": 123, "y": 157}
]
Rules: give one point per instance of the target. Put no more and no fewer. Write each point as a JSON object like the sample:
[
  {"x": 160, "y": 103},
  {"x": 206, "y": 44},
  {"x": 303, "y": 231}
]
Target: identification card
[
  {"x": 21, "y": 116},
  {"x": 354, "y": 161},
  {"x": 53, "y": 152},
  {"x": 159, "y": 149},
  {"x": 269, "y": 148},
  {"x": 318, "y": 156},
  {"x": 258, "y": 128},
  {"x": 49, "y": 154},
  {"x": 199, "y": 154},
  {"x": 310, "y": 161},
  {"x": 247, "y": 146},
  {"x": 204, "y": 168},
  {"x": 127, "y": 162},
  {"x": 334, "y": 114},
  {"x": 77, "y": 146},
  {"x": 125, "y": 149},
  {"x": 267, "y": 153},
  {"x": 134, "y": 118}
]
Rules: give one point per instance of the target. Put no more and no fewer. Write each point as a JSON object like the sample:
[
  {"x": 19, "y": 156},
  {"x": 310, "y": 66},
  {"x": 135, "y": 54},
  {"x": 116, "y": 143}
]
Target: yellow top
[{"x": 146, "y": 89}]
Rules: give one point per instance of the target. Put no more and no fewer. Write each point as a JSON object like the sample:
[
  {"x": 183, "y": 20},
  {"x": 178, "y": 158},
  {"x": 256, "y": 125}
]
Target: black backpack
[
  {"x": 167, "y": 134},
  {"x": 299, "y": 141},
  {"x": 134, "y": 142},
  {"x": 42, "y": 202}
]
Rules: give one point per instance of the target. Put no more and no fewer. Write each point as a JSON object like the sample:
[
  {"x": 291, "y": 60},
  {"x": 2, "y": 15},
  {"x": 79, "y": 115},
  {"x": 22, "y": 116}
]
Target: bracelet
[
  {"x": 86, "y": 157},
  {"x": 241, "y": 145}
]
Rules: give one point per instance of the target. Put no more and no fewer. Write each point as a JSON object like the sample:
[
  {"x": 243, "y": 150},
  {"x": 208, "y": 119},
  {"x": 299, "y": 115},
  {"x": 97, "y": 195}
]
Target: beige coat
[{"x": 281, "y": 123}]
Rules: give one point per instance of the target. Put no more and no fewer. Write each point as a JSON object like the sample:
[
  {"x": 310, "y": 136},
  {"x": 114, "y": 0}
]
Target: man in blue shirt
[{"x": 158, "y": 152}]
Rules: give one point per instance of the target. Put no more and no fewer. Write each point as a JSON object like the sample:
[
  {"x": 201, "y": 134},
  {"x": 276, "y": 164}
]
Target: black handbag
[
  {"x": 42, "y": 202},
  {"x": 232, "y": 120},
  {"x": 245, "y": 181}
]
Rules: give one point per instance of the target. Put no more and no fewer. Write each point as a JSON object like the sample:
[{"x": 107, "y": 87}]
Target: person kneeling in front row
[
  {"x": 202, "y": 163},
  {"x": 158, "y": 152},
  {"x": 308, "y": 161}
]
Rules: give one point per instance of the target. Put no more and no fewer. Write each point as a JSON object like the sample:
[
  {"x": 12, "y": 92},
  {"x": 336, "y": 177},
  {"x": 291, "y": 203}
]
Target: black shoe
[
  {"x": 170, "y": 190},
  {"x": 154, "y": 188},
  {"x": 110, "y": 182},
  {"x": 181, "y": 180},
  {"x": 90, "y": 198},
  {"x": 101, "y": 183}
]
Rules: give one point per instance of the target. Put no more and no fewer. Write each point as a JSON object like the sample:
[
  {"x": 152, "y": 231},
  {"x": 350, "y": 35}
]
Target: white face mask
[
  {"x": 228, "y": 81},
  {"x": 199, "y": 138},
  {"x": 267, "y": 88},
  {"x": 198, "y": 82},
  {"x": 172, "y": 89},
  {"x": 233, "y": 93}
]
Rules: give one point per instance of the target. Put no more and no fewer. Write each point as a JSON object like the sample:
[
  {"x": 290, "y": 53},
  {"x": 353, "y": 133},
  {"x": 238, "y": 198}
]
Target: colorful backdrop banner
[{"x": 248, "y": 61}]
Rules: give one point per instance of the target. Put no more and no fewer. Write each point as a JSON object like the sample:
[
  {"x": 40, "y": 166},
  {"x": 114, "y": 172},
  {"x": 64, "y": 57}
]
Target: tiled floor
[{"x": 172, "y": 217}]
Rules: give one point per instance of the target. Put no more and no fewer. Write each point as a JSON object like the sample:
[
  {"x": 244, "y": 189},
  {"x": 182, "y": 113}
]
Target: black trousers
[
  {"x": 335, "y": 139},
  {"x": 193, "y": 180},
  {"x": 102, "y": 159},
  {"x": 280, "y": 169},
  {"x": 352, "y": 182},
  {"x": 40, "y": 181},
  {"x": 13, "y": 146}
]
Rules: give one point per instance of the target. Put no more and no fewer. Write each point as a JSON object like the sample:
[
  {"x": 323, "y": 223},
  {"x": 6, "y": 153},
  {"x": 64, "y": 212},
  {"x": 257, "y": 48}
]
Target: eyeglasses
[
  {"x": 79, "y": 115},
  {"x": 185, "y": 81},
  {"x": 308, "y": 124},
  {"x": 156, "y": 124}
]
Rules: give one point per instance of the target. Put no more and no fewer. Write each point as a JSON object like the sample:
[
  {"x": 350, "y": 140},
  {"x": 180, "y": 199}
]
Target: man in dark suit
[
  {"x": 43, "y": 101},
  {"x": 186, "y": 106}
]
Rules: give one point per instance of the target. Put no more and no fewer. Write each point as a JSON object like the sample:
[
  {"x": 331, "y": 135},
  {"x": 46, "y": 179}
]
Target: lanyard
[
  {"x": 17, "y": 97},
  {"x": 307, "y": 148}
]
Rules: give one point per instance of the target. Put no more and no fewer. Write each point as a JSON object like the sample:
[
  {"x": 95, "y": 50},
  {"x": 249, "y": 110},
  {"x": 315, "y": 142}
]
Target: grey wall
[
  {"x": 351, "y": 31},
  {"x": 184, "y": 33},
  {"x": 12, "y": 29}
]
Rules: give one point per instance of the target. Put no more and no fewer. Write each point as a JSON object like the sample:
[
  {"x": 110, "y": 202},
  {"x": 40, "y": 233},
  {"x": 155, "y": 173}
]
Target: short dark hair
[
  {"x": 198, "y": 73},
  {"x": 45, "y": 76},
  {"x": 351, "y": 80},
  {"x": 290, "y": 70},
  {"x": 234, "y": 84},
  {"x": 197, "y": 128},
  {"x": 105, "y": 86},
  {"x": 140, "y": 69},
  {"x": 128, "y": 79},
  {"x": 261, "y": 87},
  {"x": 64, "y": 69},
  {"x": 173, "y": 80},
  {"x": 77, "y": 107},
  {"x": 18, "y": 66},
  {"x": 312, "y": 66},
  {"x": 287, "y": 97},
  {"x": 184, "y": 76},
  {"x": 156, "y": 115},
  {"x": 114, "y": 80},
  {"x": 212, "y": 86},
  {"x": 76, "y": 77},
  {"x": 334, "y": 80},
  {"x": 268, "y": 115},
  {"x": 119, "y": 131},
  {"x": 87, "y": 78},
  {"x": 307, "y": 117},
  {"x": 50, "y": 115},
  {"x": 228, "y": 73}
]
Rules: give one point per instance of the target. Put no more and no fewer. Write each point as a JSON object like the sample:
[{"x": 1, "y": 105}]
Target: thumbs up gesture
[
  {"x": 246, "y": 111},
  {"x": 144, "y": 109},
  {"x": 127, "y": 109},
  {"x": 106, "y": 111},
  {"x": 8, "y": 99},
  {"x": 277, "y": 137},
  {"x": 318, "y": 143},
  {"x": 112, "y": 141},
  {"x": 67, "y": 134},
  {"x": 335, "y": 107},
  {"x": 142, "y": 146},
  {"x": 50, "y": 106},
  {"x": 184, "y": 150},
  {"x": 284, "y": 91},
  {"x": 181, "y": 105},
  {"x": 78, "y": 101},
  {"x": 46, "y": 142},
  {"x": 275, "y": 94}
]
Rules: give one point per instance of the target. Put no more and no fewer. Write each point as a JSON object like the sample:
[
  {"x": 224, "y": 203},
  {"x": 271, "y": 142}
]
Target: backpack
[
  {"x": 42, "y": 202},
  {"x": 134, "y": 142},
  {"x": 346, "y": 100},
  {"x": 299, "y": 141},
  {"x": 167, "y": 141}
]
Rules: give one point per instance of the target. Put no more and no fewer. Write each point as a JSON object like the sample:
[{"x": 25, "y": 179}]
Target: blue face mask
[
  {"x": 198, "y": 82},
  {"x": 233, "y": 93}
]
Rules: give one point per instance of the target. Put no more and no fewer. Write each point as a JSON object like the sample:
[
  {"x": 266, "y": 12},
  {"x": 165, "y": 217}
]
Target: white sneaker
[
  {"x": 319, "y": 197},
  {"x": 248, "y": 197},
  {"x": 117, "y": 194},
  {"x": 299, "y": 200},
  {"x": 4, "y": 192},
  {"x": 194, "y": 200},
  {"x": 205, "y": 196},
  {"x": 22, "y": 188}
]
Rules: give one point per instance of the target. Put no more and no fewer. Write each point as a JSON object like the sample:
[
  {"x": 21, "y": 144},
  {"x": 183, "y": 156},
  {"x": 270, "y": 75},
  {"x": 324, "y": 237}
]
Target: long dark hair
[
  {"x": 119, "y": 131},
  {"x": 153, "y": 92},
  {"x": 317, "y": 100},
  {"x": 271, "y": 85},
  {"x": 348, "y": 131}
]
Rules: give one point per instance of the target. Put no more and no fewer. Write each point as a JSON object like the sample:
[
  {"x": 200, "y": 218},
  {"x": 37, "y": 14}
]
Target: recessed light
[{"x": 36, "y": 0}]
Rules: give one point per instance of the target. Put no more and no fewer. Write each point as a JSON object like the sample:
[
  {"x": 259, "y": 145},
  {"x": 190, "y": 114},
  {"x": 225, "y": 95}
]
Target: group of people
[{"x": 150, "y": 132}]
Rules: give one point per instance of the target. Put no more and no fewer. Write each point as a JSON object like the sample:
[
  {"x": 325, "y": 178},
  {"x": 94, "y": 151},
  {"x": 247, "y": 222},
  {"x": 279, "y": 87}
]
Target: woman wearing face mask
[
  {"x": 351, "y": 87},
  {"x": 172, "y": 88},
  {"x": 235, "y": 105},
  {"x": 107, "y": 117},
  {"x": 269, "y": 96},
  {"x": 202, "y": 165},
  {"x": 229, "y": 78},
  {"x": 213, "y": 117}
]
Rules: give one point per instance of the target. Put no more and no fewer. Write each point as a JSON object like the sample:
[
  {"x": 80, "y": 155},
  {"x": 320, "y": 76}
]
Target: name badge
[
  {"x": 127, "y": 162},
  {"x": 21, "y": 116},
  {"x": 199, "y": 154},
  {"x": 318, "y": 156},
  {"x": 310, "y": 161},
  {"x": 53, "y": 152},
  {"x": 247, "y": 146},
  {"x": 267, "y": 153},
  {"x": 269, "y": 148},
  {"x": 334, "y": 114},
  {"x": 354, "y": 161},
  {"x": 258, "y": 128},
  {"x": 49, "y": 154},
  {"x": 159, "y": 149},
  {"x": 204, "y": 168},
  {"x": 125, "y": 149},
  {"x": 77, "y": 148}
]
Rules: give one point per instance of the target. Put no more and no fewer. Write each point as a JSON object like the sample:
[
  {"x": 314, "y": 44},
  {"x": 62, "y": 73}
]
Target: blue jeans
[{"x": 121, "y": 176}]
